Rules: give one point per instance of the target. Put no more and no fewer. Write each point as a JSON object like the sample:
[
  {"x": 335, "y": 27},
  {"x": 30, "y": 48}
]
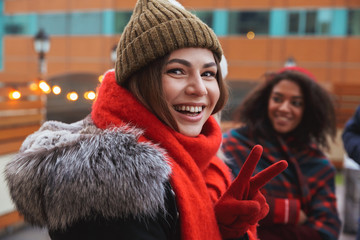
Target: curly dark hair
[{"x": 318, "y": 121}]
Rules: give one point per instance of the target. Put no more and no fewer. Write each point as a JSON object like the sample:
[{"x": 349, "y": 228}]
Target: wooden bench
[{"x": 18, "y": 119}]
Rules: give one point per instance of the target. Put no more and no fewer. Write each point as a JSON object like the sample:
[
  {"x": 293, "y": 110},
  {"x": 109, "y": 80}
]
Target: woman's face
[
  {"x": 190, "y": 88},
  {"x": 286, "y": 106}
]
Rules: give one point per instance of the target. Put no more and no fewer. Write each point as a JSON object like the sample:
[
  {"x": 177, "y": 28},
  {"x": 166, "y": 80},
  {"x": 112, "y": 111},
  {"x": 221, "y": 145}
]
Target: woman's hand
[{"x": 243, "y": 205}]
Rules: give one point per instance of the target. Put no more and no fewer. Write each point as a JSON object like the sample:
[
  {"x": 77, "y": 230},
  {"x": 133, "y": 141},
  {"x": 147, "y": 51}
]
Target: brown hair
[
  {"x": 150, "y": 92},
  {"x": 318, "y": 120}
]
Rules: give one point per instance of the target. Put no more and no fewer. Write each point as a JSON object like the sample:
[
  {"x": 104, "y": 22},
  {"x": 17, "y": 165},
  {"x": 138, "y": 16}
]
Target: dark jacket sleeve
[
  {"x": 161, "y": 227},
  {"x": 351, "y": 137}
]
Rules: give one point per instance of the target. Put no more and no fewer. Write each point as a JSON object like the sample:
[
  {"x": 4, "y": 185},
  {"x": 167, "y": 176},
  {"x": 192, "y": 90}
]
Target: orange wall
[
  {"x": 66, "y": 5},
  {"x": 332, "y": 60},
  {"x": 67, "y": 54}
]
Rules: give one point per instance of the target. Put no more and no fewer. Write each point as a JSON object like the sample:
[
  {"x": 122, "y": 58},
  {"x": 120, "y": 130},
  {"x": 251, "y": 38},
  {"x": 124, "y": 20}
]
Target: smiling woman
[
  {"x": 143, "y": 164},
  {"x": 292, "y": 117}
]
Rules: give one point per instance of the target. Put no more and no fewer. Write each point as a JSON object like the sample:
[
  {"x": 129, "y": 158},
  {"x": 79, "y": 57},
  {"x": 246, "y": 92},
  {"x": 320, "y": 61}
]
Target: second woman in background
[{"x": 291, "y": 116}]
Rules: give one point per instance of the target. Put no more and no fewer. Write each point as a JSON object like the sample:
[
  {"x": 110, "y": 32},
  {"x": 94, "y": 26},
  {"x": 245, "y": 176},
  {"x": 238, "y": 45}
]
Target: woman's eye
[
  {"x": 176, "y": 71},
  {"x": 276, "y": 99},
  {"x": 297, "y": 103},
  {"x": 209, "y": 74}
]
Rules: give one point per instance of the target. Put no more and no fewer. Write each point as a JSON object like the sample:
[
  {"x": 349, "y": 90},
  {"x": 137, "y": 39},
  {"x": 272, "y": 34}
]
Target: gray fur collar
[{"x": 67, "y": 172}]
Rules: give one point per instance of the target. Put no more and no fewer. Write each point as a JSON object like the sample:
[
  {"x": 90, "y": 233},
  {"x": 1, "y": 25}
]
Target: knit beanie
[
  {"x": 299, "y": 70},
  {"x": 155, "y": 29}
]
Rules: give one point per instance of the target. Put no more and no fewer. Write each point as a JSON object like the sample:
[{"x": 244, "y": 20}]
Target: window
[
  {"x": 243, "y": 22},
  {"x": 324, "y": 18},
  {"x": 310, "y": 21},
  {"x": 294, "y": 22},
  {"x": 354, "y": 22},
  {"x": 205, "y": 16},
  {"x": 16, "y": 24},
  {"x": 121, "y": 20}
]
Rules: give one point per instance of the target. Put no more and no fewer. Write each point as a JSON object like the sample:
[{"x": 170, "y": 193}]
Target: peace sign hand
[{"x": 243, "y": 205}]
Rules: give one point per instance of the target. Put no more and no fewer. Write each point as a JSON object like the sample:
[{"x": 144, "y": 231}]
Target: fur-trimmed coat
[
  {"x": 65, "y": 174},
  {"x": 113, "y": 175}
]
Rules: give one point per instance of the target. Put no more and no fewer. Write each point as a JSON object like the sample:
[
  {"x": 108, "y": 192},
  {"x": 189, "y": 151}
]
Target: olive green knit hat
[{"x": 156, "y": 28}]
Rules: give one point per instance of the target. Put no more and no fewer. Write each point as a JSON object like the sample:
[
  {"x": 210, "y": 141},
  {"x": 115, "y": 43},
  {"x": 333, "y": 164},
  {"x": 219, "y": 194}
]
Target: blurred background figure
[
  {"x": 292, "y": 117},
  {"x": 351, "y": 137},
  {"x": 351, "y": 140}
]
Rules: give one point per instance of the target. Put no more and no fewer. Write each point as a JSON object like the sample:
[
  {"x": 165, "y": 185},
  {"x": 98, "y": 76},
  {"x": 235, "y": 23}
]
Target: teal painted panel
[
  {"x": 54, "y": 24},
  {"x": 221, "y": 22},
  {"x": 278, "y": 22},
  {"x": 339, "y": 22},
  {"x": 323, "y": 21},
  {"x": 108, "y": 22},
  {"x": 86, "y": 23},
  {"x": 33, "y": 25}
]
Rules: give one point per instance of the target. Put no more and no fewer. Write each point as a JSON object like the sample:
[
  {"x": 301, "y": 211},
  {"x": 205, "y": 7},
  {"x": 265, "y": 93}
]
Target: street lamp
[
  {"x": 113, "y": 54},
  {"x": 42, "y": 46}
]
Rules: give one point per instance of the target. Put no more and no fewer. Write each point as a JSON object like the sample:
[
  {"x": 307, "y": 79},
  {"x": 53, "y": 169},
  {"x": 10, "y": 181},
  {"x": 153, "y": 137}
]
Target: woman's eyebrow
[
  {"x": 206, "y": 65},
  {"x": 281, "y": 94},
  {"x": 181, "y": 61},
  {"x": 188, "y": 64}
]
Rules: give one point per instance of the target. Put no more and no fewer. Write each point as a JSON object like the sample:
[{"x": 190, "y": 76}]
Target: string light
[
  {"x": 33, "y": 86},
  {"x": 56, "y": 90},
  {"x": 72, "y": 96},
  {"x": 44, "y": 87},
  {"x": 101, "y": 77},
  {"x": 14, "y": 95},
  {"x": 90, "y": 95}
]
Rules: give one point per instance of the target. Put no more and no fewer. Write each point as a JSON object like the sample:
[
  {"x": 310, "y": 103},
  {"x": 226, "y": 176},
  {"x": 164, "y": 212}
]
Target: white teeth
[{"x": 192, "y": 109}]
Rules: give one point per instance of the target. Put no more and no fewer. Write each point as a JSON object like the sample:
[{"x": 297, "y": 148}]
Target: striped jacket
[{"x": 307, "y": 184}]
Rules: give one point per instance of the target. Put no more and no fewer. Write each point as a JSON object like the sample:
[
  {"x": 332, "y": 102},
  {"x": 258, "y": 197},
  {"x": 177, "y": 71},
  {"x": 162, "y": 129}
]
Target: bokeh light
[
  {"x": 72, "y": 96},
  {"x": 14, "y": 95},
  {"x": 56, "y": 90},
  {"x": 44, "y": 87}
]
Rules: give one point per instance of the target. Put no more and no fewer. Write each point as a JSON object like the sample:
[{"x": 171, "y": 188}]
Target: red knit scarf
[{"x": 198, "y": 177}]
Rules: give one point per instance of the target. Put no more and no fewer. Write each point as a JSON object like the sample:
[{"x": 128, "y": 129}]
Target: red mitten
[{"x": 243, "y": 205}]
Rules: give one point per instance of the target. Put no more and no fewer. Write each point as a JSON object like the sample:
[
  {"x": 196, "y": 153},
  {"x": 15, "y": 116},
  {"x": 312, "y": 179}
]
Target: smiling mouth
[
  {"x": 189, "y": 110},
  {"x": 282, "y": 118}
]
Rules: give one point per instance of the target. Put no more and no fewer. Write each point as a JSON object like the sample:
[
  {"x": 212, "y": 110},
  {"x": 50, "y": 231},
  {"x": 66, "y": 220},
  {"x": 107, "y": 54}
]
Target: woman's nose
[
  {"x": 196, "y": 86},
  {"x": 285, "y": 106}
]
